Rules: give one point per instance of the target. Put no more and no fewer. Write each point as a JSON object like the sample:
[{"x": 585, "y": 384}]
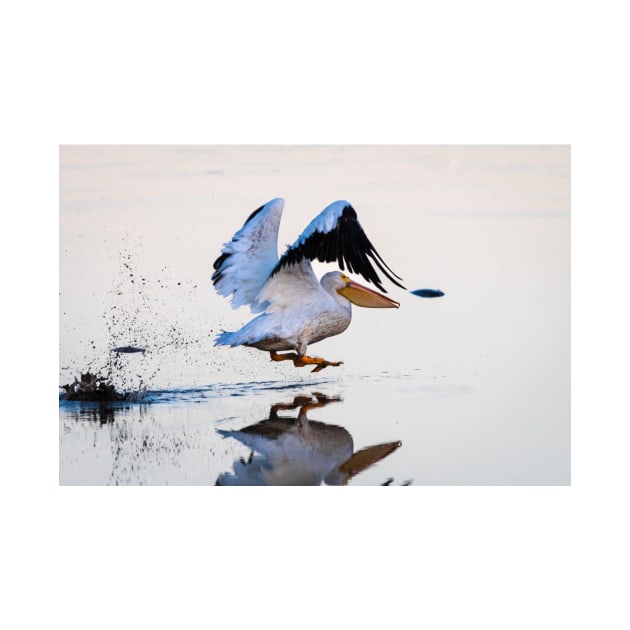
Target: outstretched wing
[
  {"x": 246, "y": 262},
  {"x": 335, "y": 235}
]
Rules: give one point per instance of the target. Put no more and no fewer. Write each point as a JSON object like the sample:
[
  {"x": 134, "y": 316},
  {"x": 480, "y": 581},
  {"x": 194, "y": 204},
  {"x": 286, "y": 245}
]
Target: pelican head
[{"x": 354, "y": 292}]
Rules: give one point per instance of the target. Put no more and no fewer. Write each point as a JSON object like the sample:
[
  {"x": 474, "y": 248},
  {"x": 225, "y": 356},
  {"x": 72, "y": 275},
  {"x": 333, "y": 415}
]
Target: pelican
[{"x": 296, "y": 309}]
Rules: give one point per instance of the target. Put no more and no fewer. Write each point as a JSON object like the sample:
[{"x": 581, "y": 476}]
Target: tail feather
[{"x": 225, "y": 338}]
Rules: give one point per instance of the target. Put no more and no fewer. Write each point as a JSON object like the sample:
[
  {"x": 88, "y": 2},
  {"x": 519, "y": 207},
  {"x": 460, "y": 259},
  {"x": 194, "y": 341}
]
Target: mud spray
[{"x": 154, "y": 327}]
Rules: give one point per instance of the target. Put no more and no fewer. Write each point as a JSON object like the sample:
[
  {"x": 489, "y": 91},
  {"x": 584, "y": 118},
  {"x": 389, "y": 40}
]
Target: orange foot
[{"x": 301, "y": 361}]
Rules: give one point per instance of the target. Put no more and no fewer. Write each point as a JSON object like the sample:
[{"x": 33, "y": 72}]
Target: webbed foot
[{"x": 301, "y": 361}]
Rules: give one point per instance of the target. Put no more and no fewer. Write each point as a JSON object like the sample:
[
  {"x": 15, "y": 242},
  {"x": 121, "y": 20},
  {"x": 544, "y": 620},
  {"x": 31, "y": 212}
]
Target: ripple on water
[{"x": 197, "y": 394}]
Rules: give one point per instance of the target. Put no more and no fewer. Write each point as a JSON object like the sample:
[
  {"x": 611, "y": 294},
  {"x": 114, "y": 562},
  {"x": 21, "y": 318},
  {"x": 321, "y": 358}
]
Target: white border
[{"x": 339, "y": 72}]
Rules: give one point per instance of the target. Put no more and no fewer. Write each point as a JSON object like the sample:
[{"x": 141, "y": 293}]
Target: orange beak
[{"x": 362, "y": 296}]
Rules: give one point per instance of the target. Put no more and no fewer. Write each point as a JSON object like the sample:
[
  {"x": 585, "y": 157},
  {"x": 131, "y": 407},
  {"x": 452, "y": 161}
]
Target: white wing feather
[{"x": 249, "y": 258}]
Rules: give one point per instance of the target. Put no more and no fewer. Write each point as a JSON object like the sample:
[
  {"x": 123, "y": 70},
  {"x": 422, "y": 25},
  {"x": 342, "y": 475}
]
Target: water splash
[
  {"x": 152, "y": 332},
  {"x": 94, "y": 388}
]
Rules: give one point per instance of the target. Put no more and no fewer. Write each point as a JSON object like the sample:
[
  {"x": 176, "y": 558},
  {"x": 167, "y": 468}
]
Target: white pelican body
[
  {"x": 311, "y": 311},
  {"x": 298, "y": 310}
]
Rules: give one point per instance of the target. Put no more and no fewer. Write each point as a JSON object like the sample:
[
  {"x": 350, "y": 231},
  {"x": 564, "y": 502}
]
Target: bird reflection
[{"x": 289, "y": 451}]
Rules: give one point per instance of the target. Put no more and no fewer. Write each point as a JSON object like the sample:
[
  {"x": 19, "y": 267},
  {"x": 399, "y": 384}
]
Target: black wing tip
[
  {"x": 218, "y": 266},
  {"x": 220, "y": 260},
  {"x": 349, "y": 211},
  {"x": 379, "y": 285},
  {"x": 347, "y": 245},
  {"x": 393, "y": 278},
  {"x": 253, "y": 214}
]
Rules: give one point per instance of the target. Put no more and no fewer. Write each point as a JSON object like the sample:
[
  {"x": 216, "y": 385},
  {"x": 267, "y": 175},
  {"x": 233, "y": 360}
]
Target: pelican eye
[{"x": 345, "y": 278}]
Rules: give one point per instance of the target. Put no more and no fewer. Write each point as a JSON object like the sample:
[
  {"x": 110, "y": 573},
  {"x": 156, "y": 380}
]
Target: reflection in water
[
  {"x": 103, "y": 413},
  {"x": 289, "y": 451}
]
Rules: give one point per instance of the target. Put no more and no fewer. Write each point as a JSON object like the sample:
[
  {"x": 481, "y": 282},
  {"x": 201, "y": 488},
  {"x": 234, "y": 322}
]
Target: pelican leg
[
  {"x": 287, "y": 356},
  {"x": 318, "y": 362},
  {"x": 302, "y": 360}
]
